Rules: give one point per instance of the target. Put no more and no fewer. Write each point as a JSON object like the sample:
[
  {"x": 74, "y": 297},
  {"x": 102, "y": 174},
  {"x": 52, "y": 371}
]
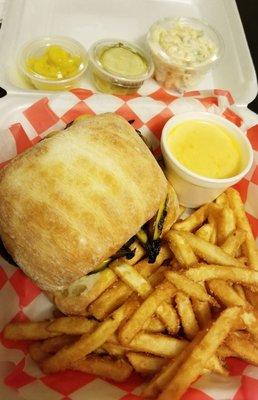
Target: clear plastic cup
[
  {"x": 192, "y": 189},
  {"x": 108, "y": 81},
  {"x": 37, "y": 47},
  {"x": 181, "y": 61}
]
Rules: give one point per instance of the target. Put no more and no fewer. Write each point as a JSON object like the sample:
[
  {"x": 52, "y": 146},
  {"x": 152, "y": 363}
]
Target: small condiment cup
[
  {"x": 116, "y": 83},
  {"x": 37, "y": 47},
  {"x": 177, "y": 73},
  {"x": 194, "y": 190}
]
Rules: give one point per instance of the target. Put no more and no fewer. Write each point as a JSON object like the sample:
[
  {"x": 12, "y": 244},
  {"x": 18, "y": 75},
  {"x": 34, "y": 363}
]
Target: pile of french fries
[{"x": 173, "y": 320}]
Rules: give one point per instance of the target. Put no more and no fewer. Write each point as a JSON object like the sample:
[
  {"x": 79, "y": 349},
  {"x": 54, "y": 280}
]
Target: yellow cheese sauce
[
  {"x": 208, "y": 149},
  {"x": 55, "y": 63}
]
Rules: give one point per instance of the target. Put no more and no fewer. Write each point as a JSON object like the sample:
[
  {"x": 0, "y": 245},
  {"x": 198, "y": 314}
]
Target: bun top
[{"x": 75, "y": 198}]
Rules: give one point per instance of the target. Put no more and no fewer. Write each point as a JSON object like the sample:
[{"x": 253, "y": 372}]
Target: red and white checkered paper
[{"x": 20, "y": 299}]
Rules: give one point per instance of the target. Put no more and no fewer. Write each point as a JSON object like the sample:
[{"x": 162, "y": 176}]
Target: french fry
[
  {"x": 72, "y": 325},
  {"x": 193, "y": 221},
  {"x": 111, "y": 299},
  {"x": 140, "y": 330},
  {"x": 233, "y": 242},
  {"x": 225, "y": 293},
  {"x": 250, "y": 319},
  {"x": 242, "y": 222},
  {"x": 214, "y": 364},
  {"x": 243, "y": 260},
  {"x": 52, "y": 345},
  {"x": 114, "y": 349},
  {"x": 226, "y": 224},
  {"x": 201, "y": 353},
  {"x": 100, "y": 351},
  {"x": 252, "y": 298},
  {"x": 165, "y": 312},
  {"x": 154, "y": 325},
  {"x": 213, "y": 216},
  {"x": 117, "y": 295},
  {"x": 117, "y": 370},
  {"x": 76, "y": 304},
  {"x": 190, "y": 288},
  {"x": 138, "y": 255},
  {"x": 205, "y": 232},
  {"x": 28, "y": 331},
  {"x": 172, "y": 210},
  {"x": 222, "y": 200},
  {"x": 87, "y": 289},
  {"x": 239, "y": 325},
  {"x": 225, "y": 352},
  {"x": 163, "y": 292},
  {"x": 37, "y": 353},
  {"x": 208, "y": 251},
  {"x": 71, "y": 305},
  {"x": 163, "y": 377},
  {"x": 88, "y": 343},
  {"x": 87, "y": 285},
  {"x": 40, "y": 351},
  {"x": 241, "y": 344},
  {"x": 240, "y": 291},
  {"x": 175, "y": 265},
  {"x": 186, "y": 314},
  {"x": 145, "y": 364},
  {"x": 181, "y": 249},
  {"x": 157, "y": 344},
  {"x": 202, "y": 312},
  {"x": 91, "y": 286},
  {"x": 203, "y": 272},
  {"x": 239, "y": 255},
  {"x": 133, "y": 279},
  {"x": 113, "y": 339},
  {"x": 168, "y": 315},
  {"x": 157, "y": 277}
]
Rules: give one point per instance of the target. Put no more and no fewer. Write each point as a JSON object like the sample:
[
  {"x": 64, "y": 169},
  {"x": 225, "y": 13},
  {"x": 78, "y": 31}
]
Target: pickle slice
[
  {"x": 159, "y": 221},
  {"x": 142, "y": 236},
  {"x": 122, "y": 60}
]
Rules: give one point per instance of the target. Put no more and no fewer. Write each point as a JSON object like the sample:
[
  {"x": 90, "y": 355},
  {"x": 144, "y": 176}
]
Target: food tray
[
  {"x": 91, "y": 20},
  {"x": 23, "y": 123}
]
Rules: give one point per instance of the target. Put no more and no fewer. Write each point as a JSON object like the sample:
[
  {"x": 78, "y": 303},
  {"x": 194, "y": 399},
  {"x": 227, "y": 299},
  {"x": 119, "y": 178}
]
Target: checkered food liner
[{"x": 22, "y": 300}]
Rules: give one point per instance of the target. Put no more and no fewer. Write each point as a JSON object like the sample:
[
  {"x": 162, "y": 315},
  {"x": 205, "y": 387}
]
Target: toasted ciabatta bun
[{"x": 76, "y": 197}]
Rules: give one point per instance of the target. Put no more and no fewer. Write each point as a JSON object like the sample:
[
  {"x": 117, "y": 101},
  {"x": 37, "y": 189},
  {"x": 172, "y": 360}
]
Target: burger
[{"x": 81, "y": 199}]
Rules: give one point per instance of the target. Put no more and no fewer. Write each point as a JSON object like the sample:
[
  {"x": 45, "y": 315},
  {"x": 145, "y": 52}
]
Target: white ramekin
[{"x": 192, "y": 189}]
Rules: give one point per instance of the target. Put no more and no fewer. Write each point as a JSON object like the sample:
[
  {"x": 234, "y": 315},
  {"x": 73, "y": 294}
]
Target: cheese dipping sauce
[{"x": 208, "y": 149}]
